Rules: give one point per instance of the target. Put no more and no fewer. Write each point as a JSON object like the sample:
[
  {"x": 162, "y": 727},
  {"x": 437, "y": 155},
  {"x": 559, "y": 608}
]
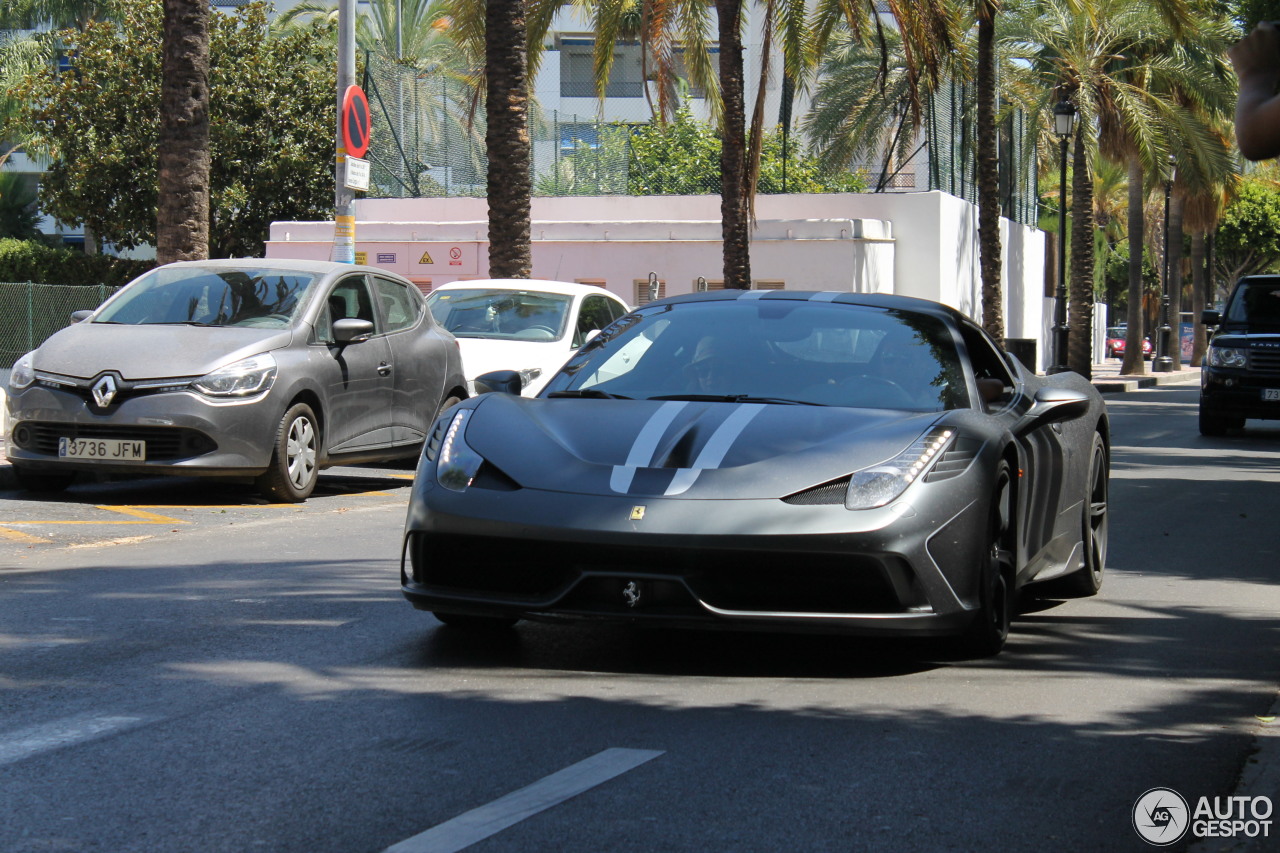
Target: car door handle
[{"x": 384, "y": 369}]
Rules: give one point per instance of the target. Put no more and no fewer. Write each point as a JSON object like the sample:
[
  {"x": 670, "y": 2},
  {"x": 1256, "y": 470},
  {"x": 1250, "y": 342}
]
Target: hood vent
[{"x": 828, "y": 494}]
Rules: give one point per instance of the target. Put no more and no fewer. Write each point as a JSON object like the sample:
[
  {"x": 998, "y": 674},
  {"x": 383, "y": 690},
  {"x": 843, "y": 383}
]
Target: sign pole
[{"x": 344, "y": 222}]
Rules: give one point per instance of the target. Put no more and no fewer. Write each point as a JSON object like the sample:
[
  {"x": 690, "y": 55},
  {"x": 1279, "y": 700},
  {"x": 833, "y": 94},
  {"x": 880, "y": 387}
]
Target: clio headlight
[
  {"x": 876, "y": 486},
  {"x": 1228, "y": 357},
  {"x": 244, "y": 378},
  {"x": 23, "y": 372},
  {"x": 456, "y": 463}
]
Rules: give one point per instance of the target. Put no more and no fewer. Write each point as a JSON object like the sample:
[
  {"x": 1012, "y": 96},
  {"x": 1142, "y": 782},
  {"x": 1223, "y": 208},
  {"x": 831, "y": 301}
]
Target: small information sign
[{"x": 357, "y": 174}]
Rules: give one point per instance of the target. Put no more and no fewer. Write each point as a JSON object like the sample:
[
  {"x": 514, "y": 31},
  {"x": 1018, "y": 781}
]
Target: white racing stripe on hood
[
  {"x": 716, "y": 448},
  {"x": 641, "y": 455}
]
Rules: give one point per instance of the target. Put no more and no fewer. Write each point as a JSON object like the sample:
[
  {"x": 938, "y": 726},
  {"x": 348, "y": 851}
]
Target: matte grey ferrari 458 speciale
[{"x": 766, "y": 459}]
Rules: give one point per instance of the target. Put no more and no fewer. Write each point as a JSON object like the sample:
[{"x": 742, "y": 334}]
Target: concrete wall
[{"x": 912, "y": 244}]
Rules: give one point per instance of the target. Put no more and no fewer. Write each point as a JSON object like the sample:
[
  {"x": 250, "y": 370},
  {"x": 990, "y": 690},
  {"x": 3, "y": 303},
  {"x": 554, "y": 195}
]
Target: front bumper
[
  {"x": 185, "y": 432},
  {"x": 1238, "y": 393},
  {"x": 768, "y": 565}
]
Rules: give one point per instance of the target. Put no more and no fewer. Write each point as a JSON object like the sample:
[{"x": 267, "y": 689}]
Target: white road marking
[
  {"x": 478, "y": 824},
  {"x": 24, "y": 743}
]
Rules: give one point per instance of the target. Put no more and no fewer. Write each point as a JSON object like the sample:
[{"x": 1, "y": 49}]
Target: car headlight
[
  {"x": 876, "y": 486},
  {"x": 23, "y": 372},
  {"x": 244, "y": 378},
  {"x": 1228, "y": 357},
  {"x": 456, "y": 463}
]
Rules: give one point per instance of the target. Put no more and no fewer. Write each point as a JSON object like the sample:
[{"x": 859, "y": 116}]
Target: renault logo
[{"x": 104, "y": 391}]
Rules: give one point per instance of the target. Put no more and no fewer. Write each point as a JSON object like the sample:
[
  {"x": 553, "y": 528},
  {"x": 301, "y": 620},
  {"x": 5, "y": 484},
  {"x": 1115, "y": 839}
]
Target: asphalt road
[{"x": 251, "y": 679}]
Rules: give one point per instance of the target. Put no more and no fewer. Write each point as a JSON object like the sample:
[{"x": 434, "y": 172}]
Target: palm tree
[
  {"x": 507, "y": 139},
  {"x": 1119, "y": 61},
  {"x": 182, "y": 215}
]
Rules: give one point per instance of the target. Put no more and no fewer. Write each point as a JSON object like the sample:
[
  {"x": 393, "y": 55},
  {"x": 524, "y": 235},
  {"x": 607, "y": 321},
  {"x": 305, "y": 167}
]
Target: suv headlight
[
  {"x": 876, "y": 486},
  {"x": 23, "y": 372},
  {"x": 244, "y": 378},
  {"x": 457, "y": 463},
  {"x": 1228, "y": 357}
]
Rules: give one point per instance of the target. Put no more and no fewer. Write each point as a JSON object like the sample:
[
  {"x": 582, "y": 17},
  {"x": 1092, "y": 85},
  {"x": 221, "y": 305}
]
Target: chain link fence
[
  {"x": 428, "y": 141},
  {"x": 29, "y": 313}
]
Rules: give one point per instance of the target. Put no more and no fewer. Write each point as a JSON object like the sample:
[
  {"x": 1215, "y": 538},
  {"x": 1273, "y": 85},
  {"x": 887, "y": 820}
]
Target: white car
[{"x": 528, "y": 325}]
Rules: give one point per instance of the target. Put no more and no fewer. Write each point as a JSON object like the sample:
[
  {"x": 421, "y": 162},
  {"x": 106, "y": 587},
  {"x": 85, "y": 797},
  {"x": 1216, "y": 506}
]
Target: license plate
[
  {"x": 1271, "y": 393},
  {"x": 104, "y": 449}
]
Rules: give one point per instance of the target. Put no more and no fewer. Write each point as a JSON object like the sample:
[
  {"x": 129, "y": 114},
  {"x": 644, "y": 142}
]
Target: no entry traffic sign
[{"x": 355, "y": 122}]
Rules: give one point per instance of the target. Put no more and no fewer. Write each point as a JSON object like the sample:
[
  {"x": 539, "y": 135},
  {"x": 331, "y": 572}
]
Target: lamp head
[{"x": 1064, "y": 118}]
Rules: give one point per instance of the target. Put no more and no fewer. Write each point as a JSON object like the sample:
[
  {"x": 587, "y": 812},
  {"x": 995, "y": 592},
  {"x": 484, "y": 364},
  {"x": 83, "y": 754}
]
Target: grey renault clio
[{"x": 270, "y": 369}]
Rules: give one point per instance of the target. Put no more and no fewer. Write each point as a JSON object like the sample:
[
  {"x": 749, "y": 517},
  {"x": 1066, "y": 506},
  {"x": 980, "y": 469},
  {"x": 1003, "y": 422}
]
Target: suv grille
[{"x": 1264, "y": 360}]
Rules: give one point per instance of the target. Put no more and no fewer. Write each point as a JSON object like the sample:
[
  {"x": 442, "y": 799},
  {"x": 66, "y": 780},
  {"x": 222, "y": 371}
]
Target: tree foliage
[
  {"x": 682, "y": 157},
  {"x": 271, "y": 127},
  {"x": 1248, "y": 236}
]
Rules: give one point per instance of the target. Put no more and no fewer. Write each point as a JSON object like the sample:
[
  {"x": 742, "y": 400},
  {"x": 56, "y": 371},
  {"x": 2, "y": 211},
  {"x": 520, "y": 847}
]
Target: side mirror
[
  {"x": 81, "y": 315},
  {"x": 500, "y": 381},
  {"x": 350, "y": 331},
  {"x": 1053, "y": 406},
  {"x": 1210, "y": 317}
]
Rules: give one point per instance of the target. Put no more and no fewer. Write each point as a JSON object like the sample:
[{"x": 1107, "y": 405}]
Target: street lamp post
[
  {"x": 1064, "y": 121},
  {"x": 1163, "y": 362}
]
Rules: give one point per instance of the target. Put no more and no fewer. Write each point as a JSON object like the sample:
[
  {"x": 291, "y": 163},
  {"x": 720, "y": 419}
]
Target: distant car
[
  {"x": 1240, "y": 377},
  {"x": 528, "y": 325},
  {"x": 270, "y": 369},
  {"x": 782, "y": 460},
  {"x": 1116, "y": 343}
]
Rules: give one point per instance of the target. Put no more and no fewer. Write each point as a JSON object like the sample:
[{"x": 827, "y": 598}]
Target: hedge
[{"x": 27, "y": 261}]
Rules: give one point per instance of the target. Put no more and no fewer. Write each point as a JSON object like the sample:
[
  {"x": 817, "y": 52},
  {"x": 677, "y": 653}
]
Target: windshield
[
  {"x": 198, "y": 296},
  {"x": 514, "y": 315},
  {"x": 1255, "y": 303},
  {"x": 775, "y": 351}
]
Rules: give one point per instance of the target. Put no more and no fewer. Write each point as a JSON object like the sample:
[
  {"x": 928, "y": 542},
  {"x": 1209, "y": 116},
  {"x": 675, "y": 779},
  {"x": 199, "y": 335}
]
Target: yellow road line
[
  {"x": 19, "y": 536},
  {"x": 138, "y": 512}
]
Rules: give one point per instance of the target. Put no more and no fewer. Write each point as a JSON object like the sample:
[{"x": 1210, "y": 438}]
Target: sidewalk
[{"x": 1108, "y": 379}]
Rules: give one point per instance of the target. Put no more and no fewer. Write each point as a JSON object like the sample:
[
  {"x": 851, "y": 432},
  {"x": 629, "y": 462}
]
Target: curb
[{"x": 1119, "y": 384}]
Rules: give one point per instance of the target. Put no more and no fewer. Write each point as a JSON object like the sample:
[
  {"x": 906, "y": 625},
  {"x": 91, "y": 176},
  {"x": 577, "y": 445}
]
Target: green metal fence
[
  {"x": 428, "y": 141},
  {"x": 29, "y": 313}
]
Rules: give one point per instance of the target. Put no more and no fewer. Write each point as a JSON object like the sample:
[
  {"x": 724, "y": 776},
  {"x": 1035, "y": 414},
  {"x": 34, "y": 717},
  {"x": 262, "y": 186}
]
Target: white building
[{"x": 911, "y": 244}]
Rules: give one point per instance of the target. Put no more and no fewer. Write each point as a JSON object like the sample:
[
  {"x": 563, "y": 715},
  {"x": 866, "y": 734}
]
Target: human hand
[{"x": 1256, "y": 57}]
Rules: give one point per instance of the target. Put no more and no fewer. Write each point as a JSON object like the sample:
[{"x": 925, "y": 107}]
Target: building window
[
  {"x": 768, "y": 284},
  {"x": 577, "y": 69},
  {"x": 594, "y": 282},
  {"x": 642, "y": 291},
  {"x": 423, "y": 284}
]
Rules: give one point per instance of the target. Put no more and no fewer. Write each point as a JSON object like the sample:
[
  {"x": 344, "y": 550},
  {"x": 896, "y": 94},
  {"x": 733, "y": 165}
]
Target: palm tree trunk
[
  {"x": 507, "y": 140},
  {"x": 182, "y": 210},
  {"x": 1133, "y": 363},
  {"x": 734, "y": 214},
  {"x": 1199, "y": 340},
  {"x": 1173, "y": 346},
  {"x": 1080, "y": 305},
  {"x": 989, "y": 175}
]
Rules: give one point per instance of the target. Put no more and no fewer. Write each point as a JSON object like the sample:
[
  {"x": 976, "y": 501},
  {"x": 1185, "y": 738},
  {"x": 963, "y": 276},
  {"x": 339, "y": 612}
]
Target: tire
[
  {"x": 1088, "y": 580},
  {"x": 1215, "y": 425},
  {"x": 996, "y": 594},
  {"x": 295, "y": 458},
  {"x": 446, "y": 406},
  {"x": 477, "y": 624},
  {"x": 45, "y": 482}
]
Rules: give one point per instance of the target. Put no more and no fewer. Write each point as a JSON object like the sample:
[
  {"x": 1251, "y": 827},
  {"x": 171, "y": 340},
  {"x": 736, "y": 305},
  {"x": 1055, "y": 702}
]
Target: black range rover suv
[{"x": 1240, "y": 377}]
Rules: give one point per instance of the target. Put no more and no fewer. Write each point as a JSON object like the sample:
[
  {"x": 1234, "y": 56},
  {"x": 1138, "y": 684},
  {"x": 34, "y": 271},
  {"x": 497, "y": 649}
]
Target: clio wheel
[{"x": 295, "y": 460}]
